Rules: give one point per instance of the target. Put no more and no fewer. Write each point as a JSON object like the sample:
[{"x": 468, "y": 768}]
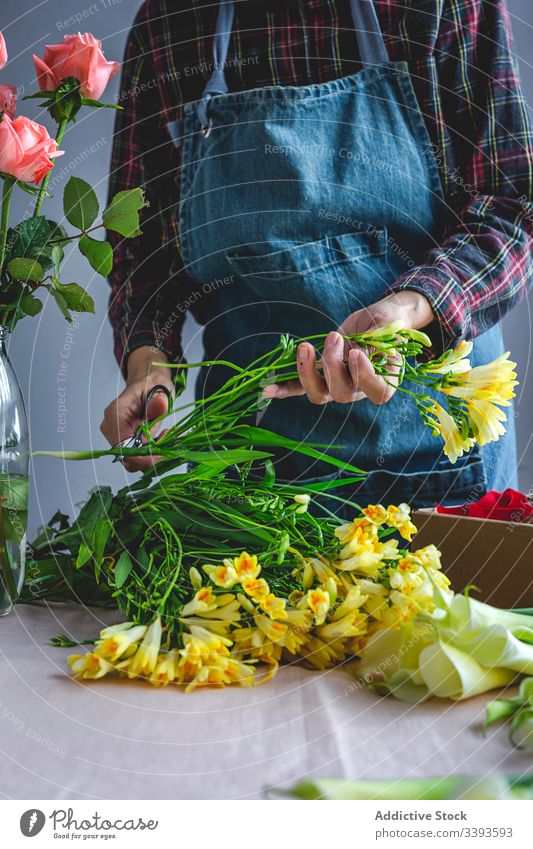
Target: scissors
[{"x": 136, "y": 440}]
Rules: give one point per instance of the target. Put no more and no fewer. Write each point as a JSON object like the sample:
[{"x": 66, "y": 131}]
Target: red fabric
[{"x": 508, "y": 506}]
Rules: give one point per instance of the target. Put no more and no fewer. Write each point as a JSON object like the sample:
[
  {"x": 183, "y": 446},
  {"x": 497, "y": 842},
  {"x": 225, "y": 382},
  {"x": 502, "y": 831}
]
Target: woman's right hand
[{"x": 123, "y": 416}]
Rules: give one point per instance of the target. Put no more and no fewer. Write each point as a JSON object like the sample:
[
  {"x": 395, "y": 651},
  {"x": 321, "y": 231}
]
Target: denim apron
[{"x": 299, "y": 205}]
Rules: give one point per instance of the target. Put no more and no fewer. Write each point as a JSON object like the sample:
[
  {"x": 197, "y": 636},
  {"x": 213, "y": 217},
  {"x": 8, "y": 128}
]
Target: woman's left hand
[{"x": 346, "y": 374}]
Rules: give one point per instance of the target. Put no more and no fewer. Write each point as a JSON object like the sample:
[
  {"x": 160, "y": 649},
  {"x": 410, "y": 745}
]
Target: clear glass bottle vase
[{"x": 14, "y": 460}]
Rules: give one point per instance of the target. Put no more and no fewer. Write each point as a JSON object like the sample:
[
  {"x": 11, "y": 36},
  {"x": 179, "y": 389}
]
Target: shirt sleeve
[
  {"x": 484, "y": 264},
  {"x": 144, "y": 290}
]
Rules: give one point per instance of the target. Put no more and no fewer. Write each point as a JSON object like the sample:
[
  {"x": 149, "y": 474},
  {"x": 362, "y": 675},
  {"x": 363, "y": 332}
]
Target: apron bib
[{"x": 298, "y": 206}]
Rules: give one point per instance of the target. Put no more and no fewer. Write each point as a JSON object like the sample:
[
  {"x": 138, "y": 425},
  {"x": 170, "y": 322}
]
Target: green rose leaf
[
  {"x": 61, "y": 303},
  {"x": 30, "y": 305},
  {"x": 24, "y": 268},
  {"x": 36, "y": 238},
  {"x": 80, "y": 203},
  {"x": 29, "y": 237},
  {"x": 122, "y": 214},
  {"x": 99, "y": 254},
  {"x": 74, "y": 297}
]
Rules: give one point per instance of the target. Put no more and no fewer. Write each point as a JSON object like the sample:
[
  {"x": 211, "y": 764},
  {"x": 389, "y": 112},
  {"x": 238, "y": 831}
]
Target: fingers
[
  {"x": 283, "y": 390},
  {"x": 313, "y": 383},
  {"x": 119, "y": 420},
  {"x": 347, "y": 376},
  {"x": 365, "y": 379},
  {"x": 310, "y": 383},
  {"x": 123, "y": 416},
  {"x": 338, "y": 378}
]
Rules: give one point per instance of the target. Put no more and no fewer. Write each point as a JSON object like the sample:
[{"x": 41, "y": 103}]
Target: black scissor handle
[
  {"x": 150, "y": 394},
  {"x": 136, "y": 440}
]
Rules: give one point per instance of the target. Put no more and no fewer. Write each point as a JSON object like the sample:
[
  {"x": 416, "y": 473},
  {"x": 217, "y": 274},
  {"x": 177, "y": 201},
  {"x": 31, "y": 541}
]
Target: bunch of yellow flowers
[{"x": 234, "y": 624}]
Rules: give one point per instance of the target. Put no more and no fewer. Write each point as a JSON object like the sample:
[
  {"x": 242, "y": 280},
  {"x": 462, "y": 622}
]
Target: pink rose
[
  {"x": 26, "y": 149},
  {"x": 3, "y": 51},
  {"x": 8, "y": 99},
  {"x": 78, "y": 56}
]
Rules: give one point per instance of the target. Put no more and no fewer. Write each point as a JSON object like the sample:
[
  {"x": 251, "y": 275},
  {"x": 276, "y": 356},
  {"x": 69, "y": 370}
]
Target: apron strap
[
  {"x": 216, "y": 83},
  {"x": 370, "y": 41},
  {"x": 372, "y": 48}
]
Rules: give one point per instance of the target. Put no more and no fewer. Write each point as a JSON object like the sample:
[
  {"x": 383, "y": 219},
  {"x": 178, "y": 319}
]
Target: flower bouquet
[{"x": 222, "y": 572}]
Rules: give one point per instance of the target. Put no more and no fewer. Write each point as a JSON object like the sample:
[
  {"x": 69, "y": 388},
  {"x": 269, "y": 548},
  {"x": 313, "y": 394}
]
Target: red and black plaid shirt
[{"x": 460, "y": 57}]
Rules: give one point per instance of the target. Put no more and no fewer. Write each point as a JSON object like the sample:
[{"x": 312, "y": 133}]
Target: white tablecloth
[{"x": 61, "y": 739}]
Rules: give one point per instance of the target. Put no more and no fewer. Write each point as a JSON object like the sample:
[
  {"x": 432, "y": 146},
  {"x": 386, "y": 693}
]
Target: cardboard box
[{"x": 495, "y": 556}]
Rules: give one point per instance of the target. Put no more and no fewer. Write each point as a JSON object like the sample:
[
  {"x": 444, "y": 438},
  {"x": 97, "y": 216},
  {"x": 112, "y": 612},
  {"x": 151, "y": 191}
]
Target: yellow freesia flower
[
  {"x": 366, "y": 561},
  {"x": 494, "y": 381},
  {"x": 320, "y": 654},
  {"x": 321, "y": 568},
  {"x": 351, "y": 604},
  {"x": 221, "y": 671},
  {"x": 453, "y": 361},
  {"x": 351, "y": 625},
  {"x": 274, "y": 606},
  {"x": 203, "y": 601},
  {"x": 224, "y": 575},
  {"x": 256, "y": 588},
  {"x": 253, "y": 642},
  {"x": 246, "y": 566},
  {"x": 119, "y": 640},
  {"x": 455, "y": 444},
  {"x": 399, "y": 517},
  {"x": 89, "y": 665},
  {"x": 486, "y": 420},
  {"x": 144, "y": 661},
  {"x": 225, "y": 610},
  {"x": 376, "y": 514},
  {"x": 319, "y": 602},
  {"x": 167, "y": 668},
  {"x": 429, "y": 556},
  {"x": 359, "y": 528}
]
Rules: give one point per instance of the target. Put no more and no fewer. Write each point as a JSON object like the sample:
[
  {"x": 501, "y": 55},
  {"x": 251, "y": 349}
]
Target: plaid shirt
[{"x": 460, "y": 56}]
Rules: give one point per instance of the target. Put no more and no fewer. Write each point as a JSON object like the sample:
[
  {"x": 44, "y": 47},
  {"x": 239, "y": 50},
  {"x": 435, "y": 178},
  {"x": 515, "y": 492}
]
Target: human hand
[
  {"x": 123, "y": 416},
  {"x": 345, "y": 373}
]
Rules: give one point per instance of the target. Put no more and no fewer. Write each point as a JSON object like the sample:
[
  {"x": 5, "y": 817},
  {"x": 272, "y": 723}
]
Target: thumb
[{"x": 157, "y": 406}]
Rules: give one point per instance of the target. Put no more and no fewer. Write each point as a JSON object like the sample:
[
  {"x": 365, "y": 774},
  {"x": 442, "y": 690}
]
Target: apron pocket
[
  {"x": 294, "y": 258},
  {"x": 449, "y": 485}
]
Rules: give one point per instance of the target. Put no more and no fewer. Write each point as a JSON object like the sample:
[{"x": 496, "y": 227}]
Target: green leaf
[
  {"x": 30, "y": 305},
  {"x": 61, "y": 302},
  {"x": 36, "y": 238},
  {"x": 122, "y": 214},
  {"x": 24, "y": 268},
  {"x": 99, "y": 254},
  {"x": 74, "y": 296},
  {"x": 29, "y": 237},
  {"x": 122, "y": 569},
  {"x": 84, "y": 555},
  {"x": 56, "y": 257},
  {"x": 80, "y": 203},
  {"x": 97, "y": 104}
]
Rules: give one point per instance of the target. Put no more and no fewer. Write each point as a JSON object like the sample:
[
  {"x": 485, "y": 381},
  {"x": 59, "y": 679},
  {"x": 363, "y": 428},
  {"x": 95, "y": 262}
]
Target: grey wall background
[{"x": 92, "y": 378}]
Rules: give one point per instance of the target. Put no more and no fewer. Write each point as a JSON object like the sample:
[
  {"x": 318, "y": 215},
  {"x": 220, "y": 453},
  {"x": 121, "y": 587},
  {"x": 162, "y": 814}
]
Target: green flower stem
[
  {"x": 42, "y": 191},
  {"x": 4, "y": 223}
]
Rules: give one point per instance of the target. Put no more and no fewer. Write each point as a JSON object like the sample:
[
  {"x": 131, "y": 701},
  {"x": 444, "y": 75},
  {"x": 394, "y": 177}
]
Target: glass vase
[{"x": 14, "y": 460}]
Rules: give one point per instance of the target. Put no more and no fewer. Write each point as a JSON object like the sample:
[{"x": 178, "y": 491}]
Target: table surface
[{"x": 114, "y": 739}]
